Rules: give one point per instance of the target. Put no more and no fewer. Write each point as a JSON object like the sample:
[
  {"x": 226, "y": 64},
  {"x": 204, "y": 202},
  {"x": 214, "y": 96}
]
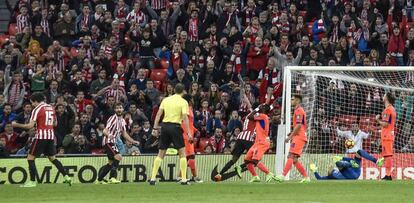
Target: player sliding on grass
[
  {"x": 44, "y": 118},
  {"x": 115, "y": 127},
  {"x": 244, "y": 140},
  {"x": 261, "y": 143},
  {"x": 347, "y": 169},
  {"x": 297, "y": 140}
]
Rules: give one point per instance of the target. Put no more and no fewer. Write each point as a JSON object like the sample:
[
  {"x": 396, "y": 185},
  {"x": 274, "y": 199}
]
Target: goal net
[{"x": 339, "y": 102}]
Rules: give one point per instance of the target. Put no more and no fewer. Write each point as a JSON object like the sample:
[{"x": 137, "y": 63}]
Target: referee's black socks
[
  {"x": 59, "y": 166},
  {"x": 32, "y": 170}
]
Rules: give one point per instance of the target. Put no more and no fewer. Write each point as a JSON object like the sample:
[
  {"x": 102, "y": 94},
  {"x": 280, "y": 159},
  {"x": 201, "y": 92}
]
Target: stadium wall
[{"x": 138, "y": 168}]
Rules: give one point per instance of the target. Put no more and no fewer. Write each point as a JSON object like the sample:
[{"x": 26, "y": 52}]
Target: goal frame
[{"x": 282, "y": 148}]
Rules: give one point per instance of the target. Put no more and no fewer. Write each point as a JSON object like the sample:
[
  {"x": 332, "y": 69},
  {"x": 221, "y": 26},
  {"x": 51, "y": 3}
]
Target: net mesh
[{"x": 339, "y": 104}]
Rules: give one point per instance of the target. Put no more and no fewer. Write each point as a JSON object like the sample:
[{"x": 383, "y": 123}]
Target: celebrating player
[
  {"x": 297, "y": 140},
  {"x": 44, "y": 117},
  {"x": 261, "y": 143},
  {"x": 347, "y": 169},
  {"x": 189, "y": 146},
  {"x": 115, "y": 127},
  {"x": 387, "y": 124}
]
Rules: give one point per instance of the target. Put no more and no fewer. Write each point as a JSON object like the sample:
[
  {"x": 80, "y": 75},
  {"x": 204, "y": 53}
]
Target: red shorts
[
  {"x": 189, "y": 148},
  {"x": 296, "y": 146},
  {"x": 257, "y": 151},
  {"x": 387, "y": 148}
]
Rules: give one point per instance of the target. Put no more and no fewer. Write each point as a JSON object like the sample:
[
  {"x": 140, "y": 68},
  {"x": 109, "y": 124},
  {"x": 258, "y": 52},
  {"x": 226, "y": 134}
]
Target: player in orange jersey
[
  {"x": 189, "y": 146},
  {"x": 387, "y": 122},
  {"x": 261, "y": 143},
  {"x": 297, "y": 139}
]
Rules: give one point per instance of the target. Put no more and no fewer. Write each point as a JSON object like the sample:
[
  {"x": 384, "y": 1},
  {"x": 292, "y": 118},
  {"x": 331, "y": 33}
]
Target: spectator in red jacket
[
  {"x": 217, "y": 142},
  {"x": 396, "y": 44},
  {"x": 257, "y": 57},
  {"x": 13, "y": 141}
]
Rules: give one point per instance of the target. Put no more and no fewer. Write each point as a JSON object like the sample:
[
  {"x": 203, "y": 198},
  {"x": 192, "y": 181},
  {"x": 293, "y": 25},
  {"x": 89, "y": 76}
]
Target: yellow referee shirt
[{"x": 174, "y": 108}]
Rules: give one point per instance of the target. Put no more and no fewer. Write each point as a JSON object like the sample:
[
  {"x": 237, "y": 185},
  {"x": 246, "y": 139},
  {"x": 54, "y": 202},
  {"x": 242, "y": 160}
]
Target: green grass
[{"x": 224, "y": 192}]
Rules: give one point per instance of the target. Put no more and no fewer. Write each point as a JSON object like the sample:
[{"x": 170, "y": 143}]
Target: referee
[{"x": 175, "y": 110}]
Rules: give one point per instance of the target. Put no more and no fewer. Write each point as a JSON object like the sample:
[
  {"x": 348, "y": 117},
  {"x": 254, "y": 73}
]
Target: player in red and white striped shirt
[
  {"x": 44, "y": 118},
  {"x": 115, "y": 127},
  {"x": 245, "y": 139}
]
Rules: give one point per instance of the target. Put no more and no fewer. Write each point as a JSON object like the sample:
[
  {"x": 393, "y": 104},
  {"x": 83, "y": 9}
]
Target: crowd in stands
[{"x": 87, "y": 55}]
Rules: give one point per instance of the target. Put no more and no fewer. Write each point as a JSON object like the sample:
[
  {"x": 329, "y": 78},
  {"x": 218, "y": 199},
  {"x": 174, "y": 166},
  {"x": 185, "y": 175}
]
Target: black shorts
[
  {"x": 240, "y": 147},
  {"x": 171, "y": 133},
  {"x": 46, "y": 147},
  {"x": 111, "y": 150}
]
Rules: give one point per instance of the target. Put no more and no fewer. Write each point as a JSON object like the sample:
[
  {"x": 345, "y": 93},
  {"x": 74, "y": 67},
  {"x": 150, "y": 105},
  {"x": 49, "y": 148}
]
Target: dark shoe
[
  {"x": 185, "y": 182},
  {"x": 152, "y": 182},
  {"x": 387, "y": 178}
]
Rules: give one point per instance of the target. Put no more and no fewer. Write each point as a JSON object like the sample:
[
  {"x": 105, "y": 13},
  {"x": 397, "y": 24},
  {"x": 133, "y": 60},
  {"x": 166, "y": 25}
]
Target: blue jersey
[{"x": 345, "y": 171}]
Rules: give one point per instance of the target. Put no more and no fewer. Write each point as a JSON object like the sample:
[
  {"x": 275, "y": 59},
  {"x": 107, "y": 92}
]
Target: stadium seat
[
  {"x": 347, "y": 119},
  {"x": 158, "y": 85},
  {"x": 164, "y": 64},
  {"x": 12, "y": 29},
  {"x": 158, "y": 74},
  {"x": 202, "y": 144},
  {"x": 302, "y": 13},
  {"x": 367, "y": 123}
]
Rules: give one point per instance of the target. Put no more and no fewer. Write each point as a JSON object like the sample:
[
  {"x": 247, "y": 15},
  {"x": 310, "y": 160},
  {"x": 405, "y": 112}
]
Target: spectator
[
  {"x": 81, "y": 146},
  {"x": 234, "y": 122},
  {"x": 14, "y": 89},
  {"x": 151, "y": 145},
  {"x": 69, "y": 142},
  {"x": 65, "y": 118},
  {"x": 409, "y": 147},
  {"x": 217, "y": 141},
  {"x": 13, "y": 140},
  {"x": 152, "y": 93},
  {"x": 7, "y": 116},
  {"x": 213, "y": 123},
  {"x": 4, "y": 153},
  {"x": 131, "y": 149}
]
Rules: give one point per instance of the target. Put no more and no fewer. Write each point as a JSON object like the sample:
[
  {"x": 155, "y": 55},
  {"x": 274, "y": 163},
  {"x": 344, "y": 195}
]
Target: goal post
[{"x": 339, "y": 99}]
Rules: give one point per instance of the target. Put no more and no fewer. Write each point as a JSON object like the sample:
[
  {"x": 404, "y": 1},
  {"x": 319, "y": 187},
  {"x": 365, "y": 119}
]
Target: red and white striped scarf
[
  {"x": 45, "y": 25},
  {"x": 193, "y": 30},
  {"x": 283, "y": 27},
  {"x": 14, "y": 93},
  {"x": 121, "y": 13},
  {"x": 85, "y": 21},
  {"x": 198, "y": 60},
  {"x": 334, "y": 35},
  {"x": 159, "y": 4},
  {"x": 59, "y": 60},
  {"x": 137, "y": 16},
  {"x": 249, "y": 15},
  {"x": 235, "y": 60},
  {"x": 87, "y": 74},
  {"x": 271, "y": 77},
  {"x": 22, "y": 22}
]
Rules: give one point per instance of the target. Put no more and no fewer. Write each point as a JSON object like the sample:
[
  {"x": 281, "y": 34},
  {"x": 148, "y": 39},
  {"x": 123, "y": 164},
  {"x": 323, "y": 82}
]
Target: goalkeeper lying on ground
[{"x": 347, "y": 169}]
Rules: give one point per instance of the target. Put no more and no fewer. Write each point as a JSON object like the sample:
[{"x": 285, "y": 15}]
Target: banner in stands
[{"x": 138, "y": 168}]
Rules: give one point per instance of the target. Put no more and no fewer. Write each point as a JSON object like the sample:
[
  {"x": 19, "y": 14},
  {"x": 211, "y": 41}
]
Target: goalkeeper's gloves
[
  {"x": 354, "y": 164},
  {"x": 336, "y": 159},
  {"x": 313, "y": 168}
]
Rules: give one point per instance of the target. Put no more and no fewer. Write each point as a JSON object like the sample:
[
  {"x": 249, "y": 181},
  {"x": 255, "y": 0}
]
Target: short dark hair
[
  {"x": 390, "y": 98},
  {"x": 266, "y": 108},
  {"x": 119, "y": 104},
  {"x": 37, "y": 97},
  {"x": 179, "y": 88},
  {"x": 298, "y": 96}
]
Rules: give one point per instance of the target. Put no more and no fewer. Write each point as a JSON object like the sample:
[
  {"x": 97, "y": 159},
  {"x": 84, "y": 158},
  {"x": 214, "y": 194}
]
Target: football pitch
[{"x": 226, "y": 192}]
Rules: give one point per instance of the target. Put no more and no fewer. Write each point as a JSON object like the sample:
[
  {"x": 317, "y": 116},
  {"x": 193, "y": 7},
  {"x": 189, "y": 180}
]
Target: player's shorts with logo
[
  {"x": 45, "y": 147},
  {"x": 111, "y": 150},
  {"x": 257, "y": 151},
  {"x": 240, "y": 146},
  {"x": 296, "y": 146}
]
